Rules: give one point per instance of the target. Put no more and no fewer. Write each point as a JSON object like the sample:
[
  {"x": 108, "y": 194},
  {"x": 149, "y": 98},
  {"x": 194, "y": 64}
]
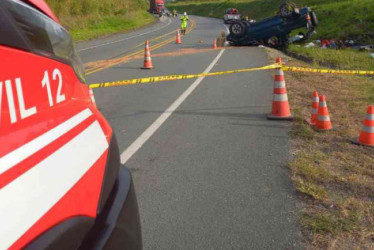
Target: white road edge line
[
  {"x": 227, "y": 29},
  {"x": 125, "y": 39},
  {"x": 143, "y": 138}
]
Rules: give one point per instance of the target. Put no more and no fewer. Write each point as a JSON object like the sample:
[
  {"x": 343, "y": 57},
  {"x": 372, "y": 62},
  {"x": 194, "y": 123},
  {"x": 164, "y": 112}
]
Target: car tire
[
  {"x": 238, "y": 29},
  {"x": 288, "y": 10},
  {"x": 313, "y": 18}
]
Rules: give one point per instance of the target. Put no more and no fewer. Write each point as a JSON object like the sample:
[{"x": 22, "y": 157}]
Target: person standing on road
[{"x": 184, "y": 20}]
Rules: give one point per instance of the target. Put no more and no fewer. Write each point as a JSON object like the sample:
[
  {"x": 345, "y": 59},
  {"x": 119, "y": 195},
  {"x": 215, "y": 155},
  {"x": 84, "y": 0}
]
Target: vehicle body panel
[
  {"x": 28, "y": 130},
  {"x": 59, "y": 160}
]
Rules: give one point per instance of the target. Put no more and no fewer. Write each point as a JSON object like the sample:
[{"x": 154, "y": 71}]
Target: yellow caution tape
[
  {"x": 328, "y": 71},
  {"x": 176, "y": 77},
  {"x": 154, "y": 79}
]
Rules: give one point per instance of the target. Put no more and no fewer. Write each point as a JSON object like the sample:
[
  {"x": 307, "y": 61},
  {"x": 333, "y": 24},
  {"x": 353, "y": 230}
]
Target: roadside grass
[
  {"x": 343, "y": 59},
  {"x": 85, "y": 28},
  {"x": 89, "y": 19},
  {"x": 333, "y": 177}
]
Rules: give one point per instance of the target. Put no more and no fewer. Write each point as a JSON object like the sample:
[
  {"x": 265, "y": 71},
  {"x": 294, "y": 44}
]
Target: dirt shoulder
[{"x": 334, "y": 178}]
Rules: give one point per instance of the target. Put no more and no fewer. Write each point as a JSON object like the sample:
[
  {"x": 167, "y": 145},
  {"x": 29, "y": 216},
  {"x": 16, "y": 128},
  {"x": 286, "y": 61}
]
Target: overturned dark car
[{"x": 274, "y": 31}]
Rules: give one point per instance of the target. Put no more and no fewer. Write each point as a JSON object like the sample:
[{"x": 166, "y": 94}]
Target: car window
[
  {"x": 46, "y": 37},
  {"x": 8, "y": 35}
]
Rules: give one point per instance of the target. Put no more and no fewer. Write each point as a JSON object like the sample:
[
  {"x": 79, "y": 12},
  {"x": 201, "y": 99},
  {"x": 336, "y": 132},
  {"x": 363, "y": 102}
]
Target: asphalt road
[{"x": 209, "y": 168}]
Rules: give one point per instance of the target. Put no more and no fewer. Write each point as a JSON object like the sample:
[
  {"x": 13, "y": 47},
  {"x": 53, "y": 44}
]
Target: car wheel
[
  {"x": 237, "y": 29},
  {"x": 313, "y": 18},
  {"x": 288, "y": 10}
]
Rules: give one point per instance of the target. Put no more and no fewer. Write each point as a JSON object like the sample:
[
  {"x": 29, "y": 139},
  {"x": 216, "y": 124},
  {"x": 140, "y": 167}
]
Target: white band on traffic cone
[
  {"x": 281, "y": 84},
  {"x": 322, "y": 104},
  {"x": 280, "y": 97},
  {"x": 368, "y": 129},
  {"x": 325, "y": 118}
]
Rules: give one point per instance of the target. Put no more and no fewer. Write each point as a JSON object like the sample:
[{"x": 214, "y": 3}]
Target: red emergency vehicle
[
  {"x": 156, "y": 6},
  {"x": 61, "y": 182}
]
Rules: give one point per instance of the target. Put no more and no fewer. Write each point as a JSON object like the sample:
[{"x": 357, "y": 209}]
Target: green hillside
[
  {"x": 339, "y": 19},
  {"x": 87, "y": 19}
]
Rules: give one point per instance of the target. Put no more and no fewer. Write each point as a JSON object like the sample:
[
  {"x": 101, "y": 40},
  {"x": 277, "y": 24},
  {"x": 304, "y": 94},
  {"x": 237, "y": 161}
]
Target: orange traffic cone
[
  {"x": 214, "y": 43},
  {"x": 280, "y": 107},
  {"x": 323, "y": 119},
  {"x": 367, "y": 133},
  {"x": 313, "y": 117},
  {"x": 147, "y": 57},
  {"x": 178, "y": 40}
]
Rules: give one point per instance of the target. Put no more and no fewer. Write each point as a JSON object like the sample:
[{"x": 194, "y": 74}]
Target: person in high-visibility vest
[{"x": 184, "y": 20}]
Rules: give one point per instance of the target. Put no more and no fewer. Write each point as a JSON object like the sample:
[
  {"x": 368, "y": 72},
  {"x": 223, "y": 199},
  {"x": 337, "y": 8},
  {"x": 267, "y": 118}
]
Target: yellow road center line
[{"x": 156, "y": 46}]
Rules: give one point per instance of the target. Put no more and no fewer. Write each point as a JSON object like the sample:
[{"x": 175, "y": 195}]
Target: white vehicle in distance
[{"x": 232, "y": 15}]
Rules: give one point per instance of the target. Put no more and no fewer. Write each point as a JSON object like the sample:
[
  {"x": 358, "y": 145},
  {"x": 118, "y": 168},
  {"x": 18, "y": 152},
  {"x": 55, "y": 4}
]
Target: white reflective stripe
[
  {"x": 324, "y": 118},
  {"x": 21, "y": 153},
  {"x": 314, "y": 111},
  {"x": 368, "y": 129},
  {"x": 281, "y": 84},
  {"x": 92, "y": 96},
  {"x": 25, "y": 200},
  {"x": 322, "y": 104},
  {"x": 147, "y": 58},
  {"x": 315, "y": 99},
  {"x": 370, "y": 117},
  {"x": 280, "y": 98},
  {"x": 279, "y": 72}
]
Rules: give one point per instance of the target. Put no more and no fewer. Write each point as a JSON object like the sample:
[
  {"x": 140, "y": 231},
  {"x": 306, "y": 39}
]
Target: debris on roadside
[
  {"x": 310, "y": 45},
  {"x": 296, "y": 38},
  {"x": 221, "y": 40},
  {"x": 340, "y": 44}
]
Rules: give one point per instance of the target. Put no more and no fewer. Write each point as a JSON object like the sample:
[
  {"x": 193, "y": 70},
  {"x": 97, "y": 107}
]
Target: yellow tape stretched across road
[
  {"x": 328, "y": 71},
  {"x": 153, "y": 79},
  {"x": 176, "y": 77}
]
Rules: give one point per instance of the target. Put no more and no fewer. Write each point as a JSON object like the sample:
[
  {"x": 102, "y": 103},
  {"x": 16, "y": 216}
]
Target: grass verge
[
  {"x": 85, "y": 28},
  {"x": 343, "y": 59},
  {"x": 88, "y": 19},
  {"x": 335, "y": 179}
]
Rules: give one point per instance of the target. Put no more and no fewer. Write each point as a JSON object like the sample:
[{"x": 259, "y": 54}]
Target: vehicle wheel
[
  {"x": 237, "y": 29},
  {"x": 313, "y": 18},
  {"x": 309, "y": 33},
  {"x": 288, "y": 10}
]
